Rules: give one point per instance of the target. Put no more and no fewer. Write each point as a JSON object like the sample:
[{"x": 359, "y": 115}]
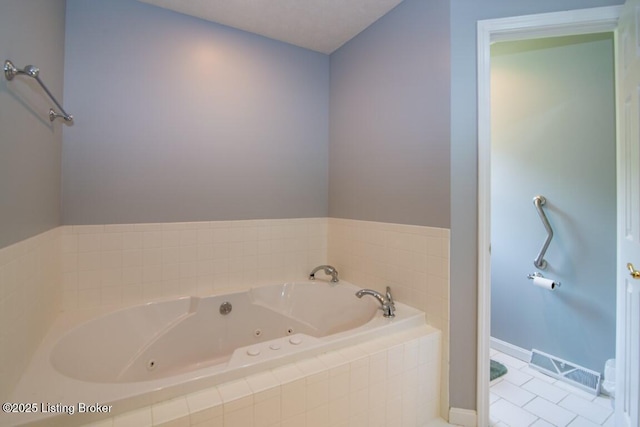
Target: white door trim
[{"x": 583, "y": 21}]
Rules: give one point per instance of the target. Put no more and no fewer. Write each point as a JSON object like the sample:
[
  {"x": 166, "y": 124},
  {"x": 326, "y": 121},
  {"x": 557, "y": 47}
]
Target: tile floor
[{"x": 525, "y": 397}]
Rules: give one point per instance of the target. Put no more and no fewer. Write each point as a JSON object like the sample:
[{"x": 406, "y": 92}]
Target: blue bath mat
[{"x": 497, "y": 370}]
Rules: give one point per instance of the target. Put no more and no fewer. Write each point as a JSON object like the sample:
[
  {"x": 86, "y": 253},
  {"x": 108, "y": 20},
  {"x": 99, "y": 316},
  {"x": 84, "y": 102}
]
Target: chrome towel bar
[
  {"x": 538, "y": 202},
  {"x": 10, "y": 71}
]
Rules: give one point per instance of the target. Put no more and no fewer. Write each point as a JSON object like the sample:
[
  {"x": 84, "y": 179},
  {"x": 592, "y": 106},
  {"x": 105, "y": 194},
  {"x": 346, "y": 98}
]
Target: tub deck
[{"x": 43, "y": 384}]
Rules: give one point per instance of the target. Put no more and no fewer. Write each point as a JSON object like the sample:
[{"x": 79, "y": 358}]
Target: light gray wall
[
  {"x": 389, "y": 119},
  {"x": 464, "y": 171},
  {"x": 179, "y": 119},
  {"x": 553, "y": 133},
  {"x": 31, "y": 32}
]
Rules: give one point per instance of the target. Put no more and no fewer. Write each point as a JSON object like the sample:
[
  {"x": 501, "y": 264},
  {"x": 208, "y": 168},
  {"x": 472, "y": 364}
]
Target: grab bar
[
  {"x": 10, "y": 71},
  {"x": 539, "y": 262}
]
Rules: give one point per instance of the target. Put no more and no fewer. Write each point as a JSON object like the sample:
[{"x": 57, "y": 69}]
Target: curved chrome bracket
[
  {"x": 10, "y": 71},
  {"x": 328, "y": 270},
  {"x": 538, "y": 202}
]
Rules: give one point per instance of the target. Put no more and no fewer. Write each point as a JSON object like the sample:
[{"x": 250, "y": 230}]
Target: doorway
[
  {"x": 553, "y": 139},
  {"x": 535, "y": 26}
]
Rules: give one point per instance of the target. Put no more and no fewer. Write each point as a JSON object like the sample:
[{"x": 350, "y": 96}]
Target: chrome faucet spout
[
  {"x": 328, "y": 270},
  {"x": 377, "y": 295},
  {"x": 386, "y": 301}
]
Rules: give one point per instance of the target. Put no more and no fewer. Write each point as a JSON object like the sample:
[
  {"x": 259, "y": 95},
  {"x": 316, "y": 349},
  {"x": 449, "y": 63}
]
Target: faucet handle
[
  {"x": 389, "y": 307},
  {"x": 389, "y": 296}
]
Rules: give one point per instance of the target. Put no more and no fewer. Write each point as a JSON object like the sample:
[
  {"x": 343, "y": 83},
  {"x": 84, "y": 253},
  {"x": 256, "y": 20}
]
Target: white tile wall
[
  {"x": 343, "y": 388},
  {"x": 413, "y": 260},
  {"x": 129, "y": 263},
  {"x": 86, "y": 266},
  {"x": 29, "y": 300}
]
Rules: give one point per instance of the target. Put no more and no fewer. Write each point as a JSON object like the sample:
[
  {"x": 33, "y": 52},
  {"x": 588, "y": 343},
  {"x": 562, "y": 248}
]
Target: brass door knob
[{"x": 632, "y": 271}]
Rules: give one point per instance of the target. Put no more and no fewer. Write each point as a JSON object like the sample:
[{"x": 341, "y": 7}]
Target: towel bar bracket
[{"x": 10, "y": 71}]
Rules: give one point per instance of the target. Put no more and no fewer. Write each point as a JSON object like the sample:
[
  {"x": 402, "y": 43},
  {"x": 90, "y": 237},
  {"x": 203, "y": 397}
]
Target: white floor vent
[{"x": 571, "y": 373}]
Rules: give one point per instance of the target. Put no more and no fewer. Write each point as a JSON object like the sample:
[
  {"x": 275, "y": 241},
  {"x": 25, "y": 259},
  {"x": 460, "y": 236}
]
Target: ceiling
[{"x": 320, "y": 25}]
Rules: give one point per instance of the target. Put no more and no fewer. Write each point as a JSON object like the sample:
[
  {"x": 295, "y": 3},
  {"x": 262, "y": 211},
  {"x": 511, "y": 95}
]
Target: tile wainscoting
[
  {"x": 29, "y": 301},
  {"x": 130, "y": 263},
  {"x": 85, "y": 266},
  {"x": 412, "y": 260},
  {"x": 390, "y": 381}
]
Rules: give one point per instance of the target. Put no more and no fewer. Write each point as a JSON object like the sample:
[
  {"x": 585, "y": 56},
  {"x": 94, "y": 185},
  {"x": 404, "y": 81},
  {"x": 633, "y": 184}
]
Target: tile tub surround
[
  {"x": 94, "y": 265},
  {"x": 132, "y": 263},
  {"x": 413, "y": 260},
  {"x": 29, "y": 301},
  {"x": 85, "y": 354},
  {"x": 390, "y": 381}
]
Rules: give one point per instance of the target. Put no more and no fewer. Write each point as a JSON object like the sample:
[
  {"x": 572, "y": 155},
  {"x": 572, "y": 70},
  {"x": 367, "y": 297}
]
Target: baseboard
[
  {"x": 463, "y": 417},
  {"x": 510, "y": 349}
]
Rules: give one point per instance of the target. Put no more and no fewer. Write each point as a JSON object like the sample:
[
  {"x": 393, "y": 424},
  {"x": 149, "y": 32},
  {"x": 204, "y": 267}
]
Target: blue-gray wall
[
  {"x": 464, "y": 172},
  {"x": 31, "y": 32},
  {"x": 126, "y": 158},
  {"x": 389, "y": 119},
  {"x": 179, "y": 119},
  {"x": 553, "y": 133}
]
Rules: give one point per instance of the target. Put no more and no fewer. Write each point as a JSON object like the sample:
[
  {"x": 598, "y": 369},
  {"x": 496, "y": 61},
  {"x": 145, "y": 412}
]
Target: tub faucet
[
  {"x": 386, "y": 302},
  {"x": 328, "y": 270}
]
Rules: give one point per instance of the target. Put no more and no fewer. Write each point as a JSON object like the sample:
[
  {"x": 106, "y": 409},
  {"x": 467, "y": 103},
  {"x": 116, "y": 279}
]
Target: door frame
[{"x": 573, "y": 22}]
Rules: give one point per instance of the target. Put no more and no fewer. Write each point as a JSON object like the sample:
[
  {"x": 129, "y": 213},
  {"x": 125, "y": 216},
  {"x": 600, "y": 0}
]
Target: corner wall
[
  {"x": 31, "y": 33},
  {"x": 180, "y": 119},
  {"x": 389, "y": 119}
]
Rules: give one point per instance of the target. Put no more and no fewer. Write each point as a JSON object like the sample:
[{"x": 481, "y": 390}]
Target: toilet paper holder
[{"x": 532, "y": 276}]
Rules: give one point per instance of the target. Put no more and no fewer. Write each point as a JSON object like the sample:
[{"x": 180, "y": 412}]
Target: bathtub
[{"x": 137, "y": 356}]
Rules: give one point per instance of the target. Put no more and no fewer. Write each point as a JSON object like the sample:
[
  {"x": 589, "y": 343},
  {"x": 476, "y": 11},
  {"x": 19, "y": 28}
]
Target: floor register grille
[{"x": 563, "y": 370}]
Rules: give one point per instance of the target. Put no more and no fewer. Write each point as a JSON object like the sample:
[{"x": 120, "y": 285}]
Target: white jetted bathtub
[{"x": 140, "y": 355}]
